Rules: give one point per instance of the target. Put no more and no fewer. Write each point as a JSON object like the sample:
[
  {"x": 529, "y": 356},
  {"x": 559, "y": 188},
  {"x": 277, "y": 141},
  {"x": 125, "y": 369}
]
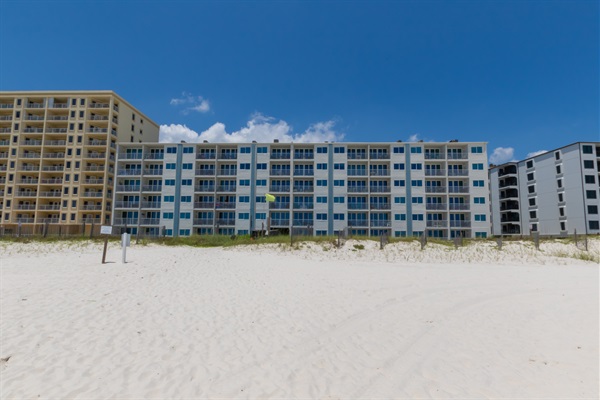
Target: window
[
  {"x": 560, "y": 198},
  {"x": 400, "y": 217},
  {"x": 416, "y": 166},
  {"x": 244, "y": 182},
  {"x": 261, "y": 182},
  {"x": 590, "y": 194},
  {"x": 185, "y": 215},
  {"x": 81, "y": 114},
  {"x": 66, "y": 190},
  {"x": 478, "y": 183},
  {"x": 321, "y": 217},
  {"x": 534, "y": 227},
  {"x": 77, "y": 152},
  {"x": 416, "y": 183},
  {"x": 558, "y": 170},
  {"x": 243, "y": 215},
  {"x": 322, "y": 166},
  {"x": 73, "y": 102},
  {"x": 188, "y": 166},
  {"x": 133, "y": 117},
  {"x": 186, "y": 199},
  {"x": 77, "y": 164},
  {"x": 417, "y": 200},
  {"x": 188, "y": 150},
  {"x": 171, "y": 166},
  {"x": 80, "y": 127},
  {"x": 531, "y": 188},
  {"x": 593, "y": 225},
  {"x": 416, "y": 150},
  {"x": 339, "y": 166},
  {"x": 588, "y": 164},
  {"x": 261, "y": 150},
  {"x": 261, "y": 199},
  {"x": 321, "y": 233},
  {"x": 71, "y": 127},
  {"x": 184, "y": 232},
  {"x": 480, "y": 217},
  {"x": 244, "y": 199},
  {"x": 171, "y": 150},
  {"x": 339, "y": 217},
  {"x": 16, "y": 127},
  {"x": 169, "y": 182},
  {"x": 186, "y": 182},
  {"x": 533, "y": 214},
  {"x": 481, "y": 235},
  {"x": 261, "y": 216},
  {"x": 82, "y": 102},
  {"x": 559, "y": 183},
  {"x": 321, "y": 150},
  {"x": 557, "y": 155},
  {"x": 563, "y": 226},
  {"x": 245, "y": 166},
  {"x": 479, "y": 200},
  {"x": 321, "y": 182},
  {"x": 529, "y": 164},
  {"x": 400, "y": 200},
  {"x": 399, "y": 166},
  {"x": 478, "y": 166},
  {"x": 592, "y": 209},
  {"x": 417, "y": 217},
  {"x": 261, "y": 166},
  {"x": 561, "y": 211},
  {"x": 586, "y": 149},
  {"x": 590, "y": 179},
  {"x": 169, "y": 199},
  {"x": 339, "y": 150},
  {"x": 338, "y": 182},
  {"x": 530, "y": 176},
  {"x": 73, "y": 217},
  {"x": 245, "y": 150},
  {"x": 532, "y": 201},
  {"x": 477, "y": 149},
  {"x": 76, "y": 178},
  {"x": 398, "y": 150},
  {"x": 321, "y": 199},
  {"x": 400, "y": 182},
  {"x": 69, "y": 152},
  {"x": 339, "y": 200}
]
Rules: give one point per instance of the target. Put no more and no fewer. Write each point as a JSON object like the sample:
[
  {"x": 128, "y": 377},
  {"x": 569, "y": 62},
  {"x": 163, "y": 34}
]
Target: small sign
[
  {"x": 106, "y": 230},
  {"x": 125, "y": 239}
]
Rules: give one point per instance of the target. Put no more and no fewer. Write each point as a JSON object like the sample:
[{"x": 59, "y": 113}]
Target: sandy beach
[{"x": 310, "y": 322}]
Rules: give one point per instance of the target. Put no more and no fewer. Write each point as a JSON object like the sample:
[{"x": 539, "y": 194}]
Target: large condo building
[
  {"x": 554, "y": 193},
  {"x": 398, "y": 189},
  {"x": 58, "y": 152}
]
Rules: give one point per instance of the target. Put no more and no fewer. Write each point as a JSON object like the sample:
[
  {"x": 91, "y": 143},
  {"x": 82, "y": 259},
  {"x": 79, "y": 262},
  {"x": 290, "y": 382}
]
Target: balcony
[
  {"x": 4, "y": 142},
  {"x": 25, "y": 220},
  {"x": 92, "y": 194},
  {"x": 305, "y": 172},
  {"x": 94, "y": 181},
  {"x": 227, "y": 189},
  {"x": 205, "y": 172},
  {"x": 98, "y": 105},
  {"x": 206, "y": 156},
  {"x": 304, "y": 189},
  {"x": 28, "y": 167},
  {"x": 34, "y": 105},
  {"x": 225, "y": 221},
  {"x": 379, "y": 189},
  {"x": 154, "y": 156},
  {"x": 225, "y": 205},
  {"x": 31, "y": 155},
  {"x": 204, "y": 204},
  {"x": 127, "y": 204},
  {"x": 48, "y": 207},
  {"x": 460, "y": 224},
  {"x": 436, "y": 206},
  {"x": 52, "y": 193},
  {"x": 51, "y": 181},
  {"x": 129, "y": 172},
  {"x": 280, "y": 222},
  {"x": 357, "y": 156},
  {"x": 379, "y": 172},
  {"x": 358, "y": 222},
  {"x": 280, "y": 172},
  {"x": 4, "y": 155},
  {"x": 228, "y": 156},
  {"x": 203, "y": 221},
  {"x": 96, "y": 155},
  {"x": 57, "y": 118},
  {"x": 379, "y": 156},
  {"x": 459, "y": 207},
  {"x": 53, "y": 168},
  {"x": 98, "y": 117},
  {"x": 380, "y": 223},
  {"x": 55, "y": 143},
  {"x": 155, "y": 171},
  {"x": 97, "y": 130},
  {"x": 435, "y": 189},
  {"x": 125, "y": 221},
  {"x": 54, "y": 155},
  {"x": 130, "y": 156},
  {"x": 5, "y": 117},
  {"x": 280, "y": 156},
  {"x": 435, "y": 172},
  {"x": 91, "y": 207},
  {"x": 279, "y": 205},
  {"x": 279, "y": 188},
  {"x": 458, "y": 189},
  {"x": 357, "y": 172},
  {"x": 204, "y": 188},
  {"x": 304, "y": 156},
  {"x": 358, "y": 189},
  {"x": 29, "y": 181},
  {"x": 25, "y": 207},
  {"x": 457, "y": 156},
  {"x": 302, "y": 222},
  {"x": 6, "y": 105},
  {"x": 128, "y": 188},
  {"x": 26, "y": 194},
  {"x": 151, "y": 188},
  {"x": 380, "y": 206},
  {"x": 303, "y": 206},
  {"x": 458, "y": 172},
  {"x": 97, "y": 142},
  {"x": 94, "y": 168},
  {"x": 434, "y": 156},
  {"x": 59, "y": 105},
  {"x": 228, "y": 172},
  {"x": 437, "y": 224},
  {"x": 56, "y": 130},
  {"x": 4, "y": 130},
  {"x": 151, "y": 204},
  {"x": 150, "y": 221},
  {"x": 357, "y": 206}
]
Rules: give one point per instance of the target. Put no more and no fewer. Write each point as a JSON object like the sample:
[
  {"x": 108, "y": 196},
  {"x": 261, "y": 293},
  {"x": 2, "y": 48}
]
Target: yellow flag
[{"x": 269, "y": 197}]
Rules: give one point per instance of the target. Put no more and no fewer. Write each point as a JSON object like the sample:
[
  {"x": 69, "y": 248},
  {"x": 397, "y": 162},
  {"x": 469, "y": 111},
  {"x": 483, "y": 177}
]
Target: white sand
[{"x": 270, "y": 322}]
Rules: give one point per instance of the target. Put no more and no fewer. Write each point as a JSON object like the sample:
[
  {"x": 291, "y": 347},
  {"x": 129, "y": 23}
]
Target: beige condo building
[{"x": 57, "y": 155}]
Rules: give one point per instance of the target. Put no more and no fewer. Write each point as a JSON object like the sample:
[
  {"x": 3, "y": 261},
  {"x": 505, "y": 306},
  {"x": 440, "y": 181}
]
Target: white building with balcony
[{"x": 371, "y": 189}]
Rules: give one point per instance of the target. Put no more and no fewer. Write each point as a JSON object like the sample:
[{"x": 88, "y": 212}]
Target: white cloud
[
  {"x": 260, "y": 128},
  {"x": 193, "y": 103},
  {"x": 413, "y": 138},
  {"x": 535, "y": 153},
  {"x": 502, "y": 155}
]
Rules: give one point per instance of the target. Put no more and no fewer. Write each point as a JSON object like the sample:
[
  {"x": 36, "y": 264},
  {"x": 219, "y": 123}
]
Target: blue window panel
[
  {"x": 321, "y": 182},
  {"x": 400, "y": 200},
  {"x": 169, "y": 199},
  {"x": 398, "y": 150},
  {"x": 400, "y": 233},
  {"x": 186, "y": 199},
  {"x": 244, "y": 216},
  {"x": 339, "y": 182},
  {"x": 321, "y": 199},
  {"x": 169, "y": 182},
  {"x": 171, "y": 166},
  {"x": 321, "y": 233},
  {"x": 417, "y": 217},
  {"x": 339, "y": 217},
  {"x": 186, "y": 182},
  {"x": 321, "y": 217},
  {"x": 262, "y": 150},
  {"x": 188, "y": 150},
  {"x": 416, "y": 166},
  {"x": 399, "y": 166},
  {"x": 261, "y": 166},
  {"x": 261, "y": 182},
  {"x": 245, "y": 166},
  {"x": 339, "y": 199},
  {"x": 339, "y": 150},
  {"x": 416, "y": 183},
  {"x": 321, "y": 150},
  {"x": 478, "y": 183},
  {"x": 244, "y": 199},
  {"x": 339, "y": 166},
  {"x": 261, "y": 215},
  {"x": 168, "y": 215},
  {"x": 481, "y": 235},
  {"x": 478, "y": 166},
  {"x": 244, "y": 182},
  {"x": 245, "y": 150},
  {"x": 416, "y": 150},
  {"x": 322, "y": 166},
  {"x": 400, "y": 217},
  {"x": 261, "y": 199},
  {"x": 185, "y": 215},
  {"x": 400, "y": 182},
  {"x": 171, "y": 150},
  {"x": 417, "y": 200},
  {"x": 476, "y": 149},
  {"x": 480, "y": 217},
  {"x": 188, "y": 166},
  {"x": 479, "y": 200}
]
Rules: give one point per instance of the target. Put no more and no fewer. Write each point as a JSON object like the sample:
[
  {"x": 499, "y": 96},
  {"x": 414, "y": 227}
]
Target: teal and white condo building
[{"x": 398, "y": 189}]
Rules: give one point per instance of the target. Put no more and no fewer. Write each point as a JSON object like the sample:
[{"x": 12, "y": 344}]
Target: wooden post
[
  {"x": 92, "y": 230},
  {"x": 104, "y": 251},
  {"x": 46, "y": 229}
]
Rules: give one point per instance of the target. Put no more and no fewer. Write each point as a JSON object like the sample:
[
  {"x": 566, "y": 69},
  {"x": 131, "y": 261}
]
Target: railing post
[
  {"x": 46, "y": 229},
  {"x": 92, "y": 230},
  {"x": 19, "y": 230}
]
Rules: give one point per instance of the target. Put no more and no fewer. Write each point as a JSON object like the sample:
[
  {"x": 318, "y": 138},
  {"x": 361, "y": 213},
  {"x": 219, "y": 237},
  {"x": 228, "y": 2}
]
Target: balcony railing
[
  {"x": 225, "y": 205},
  {"x": 53, "y": 168},
  {"x": 6, "y": 105},
  {"x": 28, "y": 181},
  {"x": 127, "y": 204},
  {"x": 458, "y": 189},
  {"x": 228, "y": 172},
  {"x": 437, "y": 224},
  {"x": 280, "y": 172},
  {"x": 126, "y": 221},
  {"x": 93, "y": 181},
  {"x": 204, "y": 188},
  {"x": 303, "y": 206},
  {"x": 380, "y": 223},
  {"x": 155, "y": 171},
  {"x": 30, "y": 155},
  {"x": 130, "y": 156},
  {"x": 57, "y": 118},
  {"x": 204, "y": 204},
  {"x": 357, "y": 156},
  {"x": 304, "y": 172},
  {"x": 151, "y": 188},
  {"x": 60, "y": 105},
  {"x": 29, "y": 168},
  {"x": 380, "y": 206},
  {"x": 435, "y": 189},
  {"x": 434, "y": 156},
  {"x": 205, "y": 172},
  {"x": 98, "y": 117},
  {"x": 46, "y": 207},
  {"x": 151, "y": 204},
  {"x": 457, "y": 156},
  {"x": 225, "y": 221},
  {"x": 280, "y": 222},
  {"x": 150, "y": 221},
  {"x": 223, "y": 188},
  {"x": 97, "y": 130},
  {"x": 97, "y": 142},
  {"x": 55, "y": 142},
  {"x": 379, "y": 156},
  {"x": 34, "y": 105},
  {"x": 128, "y": 188},
  {"x": 357, "y": 172},
  {"x": 357, "y": 206},
  {"x": 436, "y": 206},
  {"x": 304, "y": 156},
  {"x": 280, "y": 156},
  {"x": 154, "y": 156},
  {"x": 51, "y": 181},
  {"x": 5, "y": 117},
  {"x": 26, "y": 194},
  {"x": 92, "y": 207},
  {"x": 279, "y": 188},
  {"x": 435, "y": 172},
  {"x": 358, "y": 222},
  {"x": 459, "y": 206},
  {"x": 206, "y": 156},
  {"x": 54, "y": 155},
  {"x": 379, "y": 189},
  {"x": 203, "y": 221},
  {"x": 125, "y": 172},
  {"x": 25, "y": 220},
  {"x": 228, "y": 156},
  {"x": 98, "y": 105},
  {"x": 51, "y": 194},
  {"x": 302, "y": 222},
  {"x": 304, "y": 189},
  {"x": 358, "y": 189},
  {"x": 379, "y": 172},
  {"x": 96, "y": 155},
  {"x": 460, "y": 224},
  {"x": 278, "y": 205},
  {"x": 56, "y": 130},
  {"x": 26, "y": 207}
]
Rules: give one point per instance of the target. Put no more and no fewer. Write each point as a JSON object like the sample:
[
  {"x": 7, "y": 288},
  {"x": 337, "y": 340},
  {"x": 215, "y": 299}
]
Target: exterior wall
[
  {"x": 558, "y": 192},
  {"x": 399, "y": 189},
  {"x": 57, "y": 155}
]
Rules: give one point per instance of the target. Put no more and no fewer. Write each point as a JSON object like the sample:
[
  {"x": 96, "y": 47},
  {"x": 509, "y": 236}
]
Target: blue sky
[{"x": 521, "y": 75}]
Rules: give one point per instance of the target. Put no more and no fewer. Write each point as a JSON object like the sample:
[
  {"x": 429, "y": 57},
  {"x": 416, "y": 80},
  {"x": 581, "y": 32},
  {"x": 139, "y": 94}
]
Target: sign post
[
  {"x": 105, "y": 230},
  {"x": 125, "y": 238}
]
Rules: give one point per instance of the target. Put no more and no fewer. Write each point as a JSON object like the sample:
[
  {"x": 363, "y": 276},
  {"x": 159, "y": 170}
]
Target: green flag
[{"x": 269, "y": 197}]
